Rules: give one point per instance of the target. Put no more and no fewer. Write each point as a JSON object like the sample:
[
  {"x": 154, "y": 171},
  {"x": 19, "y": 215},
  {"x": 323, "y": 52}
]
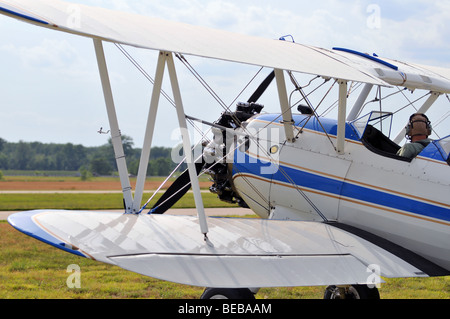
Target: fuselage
[{"x": 405, "y": 202}]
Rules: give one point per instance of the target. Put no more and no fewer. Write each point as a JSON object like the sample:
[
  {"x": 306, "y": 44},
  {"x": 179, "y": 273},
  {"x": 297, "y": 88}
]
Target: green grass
[
  {"x": 86, "y": 201},
  {"x": 77, "y": 201},
  {"x": 31, "y": 269}
]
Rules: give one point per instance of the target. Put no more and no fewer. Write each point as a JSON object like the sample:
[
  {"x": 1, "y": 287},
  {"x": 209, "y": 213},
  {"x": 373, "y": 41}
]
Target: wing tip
[
  {"x": 23, "y": 222},
  {"x": 22, "y": 16}
]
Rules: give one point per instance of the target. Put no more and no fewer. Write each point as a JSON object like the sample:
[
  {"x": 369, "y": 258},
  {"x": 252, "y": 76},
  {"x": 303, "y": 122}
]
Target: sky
[{"x": 50, "y": 90}]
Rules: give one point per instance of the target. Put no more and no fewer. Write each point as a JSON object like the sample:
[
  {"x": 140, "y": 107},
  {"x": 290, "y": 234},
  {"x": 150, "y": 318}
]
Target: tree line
[{"x": 100, "y": 160}]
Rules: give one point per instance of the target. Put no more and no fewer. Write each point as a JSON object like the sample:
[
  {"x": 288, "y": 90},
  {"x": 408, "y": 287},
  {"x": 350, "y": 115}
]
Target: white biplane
[{"x": 338, "y": 207}]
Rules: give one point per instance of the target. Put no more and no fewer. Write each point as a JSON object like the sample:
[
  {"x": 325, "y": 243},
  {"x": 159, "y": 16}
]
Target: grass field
[
  {"x": 16, "y": 202},
  {"x": 31, "y": 269},
  {"x": 83, "y": 201}
]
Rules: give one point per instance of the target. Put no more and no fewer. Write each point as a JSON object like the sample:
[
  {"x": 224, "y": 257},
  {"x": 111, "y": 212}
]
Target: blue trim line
[
  {"x": 23, "y": 16},
  {"x": 370, "y": 57},
  {"x": 341, "y": 188},
  {"x": 330, "y": 126},
  {"x": 24, "y": 223}
]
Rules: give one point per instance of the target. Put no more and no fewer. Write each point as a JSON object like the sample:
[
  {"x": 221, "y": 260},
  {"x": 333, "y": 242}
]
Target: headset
[{"x": 411, "y": 130}]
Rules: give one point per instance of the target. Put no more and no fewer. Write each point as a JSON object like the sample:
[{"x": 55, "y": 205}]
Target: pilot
[{"x": 417, "y": 131}]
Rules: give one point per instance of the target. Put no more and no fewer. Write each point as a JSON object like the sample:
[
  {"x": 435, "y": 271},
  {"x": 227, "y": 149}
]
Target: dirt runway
[{"x": 78, "y": 185}]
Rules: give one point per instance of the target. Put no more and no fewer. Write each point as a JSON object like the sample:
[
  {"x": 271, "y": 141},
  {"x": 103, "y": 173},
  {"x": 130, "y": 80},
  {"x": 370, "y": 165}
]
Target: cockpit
[{"x": 374, "y": 130}]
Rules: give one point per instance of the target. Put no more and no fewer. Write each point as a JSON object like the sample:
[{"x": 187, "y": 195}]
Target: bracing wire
[
  {"x": 224, "y": 106},
  {"x": 149, "y": 78},
  {"x": 142, "y": 70},
  {"x": 221, "y": 102},
  {"x": 442, "y": 119},
  {"x": 410, "y": 103},
  {"x": 201, "y": 173}
]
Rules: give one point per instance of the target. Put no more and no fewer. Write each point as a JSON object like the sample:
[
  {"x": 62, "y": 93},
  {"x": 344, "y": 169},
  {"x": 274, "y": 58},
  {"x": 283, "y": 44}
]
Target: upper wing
[
  {"x": 158, "y": 34},
  {"x": 238, "y": 253}
]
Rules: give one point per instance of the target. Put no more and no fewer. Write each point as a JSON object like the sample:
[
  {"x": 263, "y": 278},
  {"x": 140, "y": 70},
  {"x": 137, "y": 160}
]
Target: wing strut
[
  {"x": 341, "y": 116},
  {"x": 357, "y": 107},
  {"x": 145, "y": 153},
  {"x": 288, "y": 122},
  {"x": 186, "y": 143},
  {"x": 114, "y": 126},
  {"x": 133, "y": 206}
]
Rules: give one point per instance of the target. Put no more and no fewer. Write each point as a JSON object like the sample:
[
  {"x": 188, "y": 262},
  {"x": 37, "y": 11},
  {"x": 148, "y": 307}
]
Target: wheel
[
  {"x": 227, "y": 293},
  {"x": 351, "y": 292}
]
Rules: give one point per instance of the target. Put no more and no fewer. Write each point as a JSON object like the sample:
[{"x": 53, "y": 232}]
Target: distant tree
[
  {"x": 133, "y": 166},
  {"x": 3, "y": 161},
  {"x": 100, "y": 166},
  {"x": 127, "y": 144},
  {"x": 69, "y": 157},
  {"x": 2, "y": 142},
  {"x": 85, "y": 174},
  {"x": 22, "y": 155}
]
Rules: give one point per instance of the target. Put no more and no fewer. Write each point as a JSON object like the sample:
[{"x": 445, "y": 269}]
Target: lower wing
[{"x": 237, "y": 253}]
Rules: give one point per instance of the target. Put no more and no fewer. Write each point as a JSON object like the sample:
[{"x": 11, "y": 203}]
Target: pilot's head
[{"x": 418, "y": 125}]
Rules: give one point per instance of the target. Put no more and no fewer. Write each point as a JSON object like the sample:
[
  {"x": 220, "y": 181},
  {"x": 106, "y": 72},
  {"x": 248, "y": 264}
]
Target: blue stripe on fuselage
[
  {"x": 330, "y": 126},
  {"x": 311, "y": 123},
  {"x": 286, "y": 174}
]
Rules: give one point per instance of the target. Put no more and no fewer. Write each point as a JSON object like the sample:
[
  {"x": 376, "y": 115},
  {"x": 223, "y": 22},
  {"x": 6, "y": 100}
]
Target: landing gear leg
[{"x": 351, "y": 292}]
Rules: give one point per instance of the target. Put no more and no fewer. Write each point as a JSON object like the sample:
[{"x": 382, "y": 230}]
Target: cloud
[
  {"x": 49, "y": 54},
  {"x": 53, "y": 56},
  {"x": 425, "y": 37},
  {"x": 417, "y": 32}
]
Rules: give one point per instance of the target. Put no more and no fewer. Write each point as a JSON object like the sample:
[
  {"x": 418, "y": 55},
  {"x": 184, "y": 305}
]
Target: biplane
[{"x": 338, "y": 206}]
